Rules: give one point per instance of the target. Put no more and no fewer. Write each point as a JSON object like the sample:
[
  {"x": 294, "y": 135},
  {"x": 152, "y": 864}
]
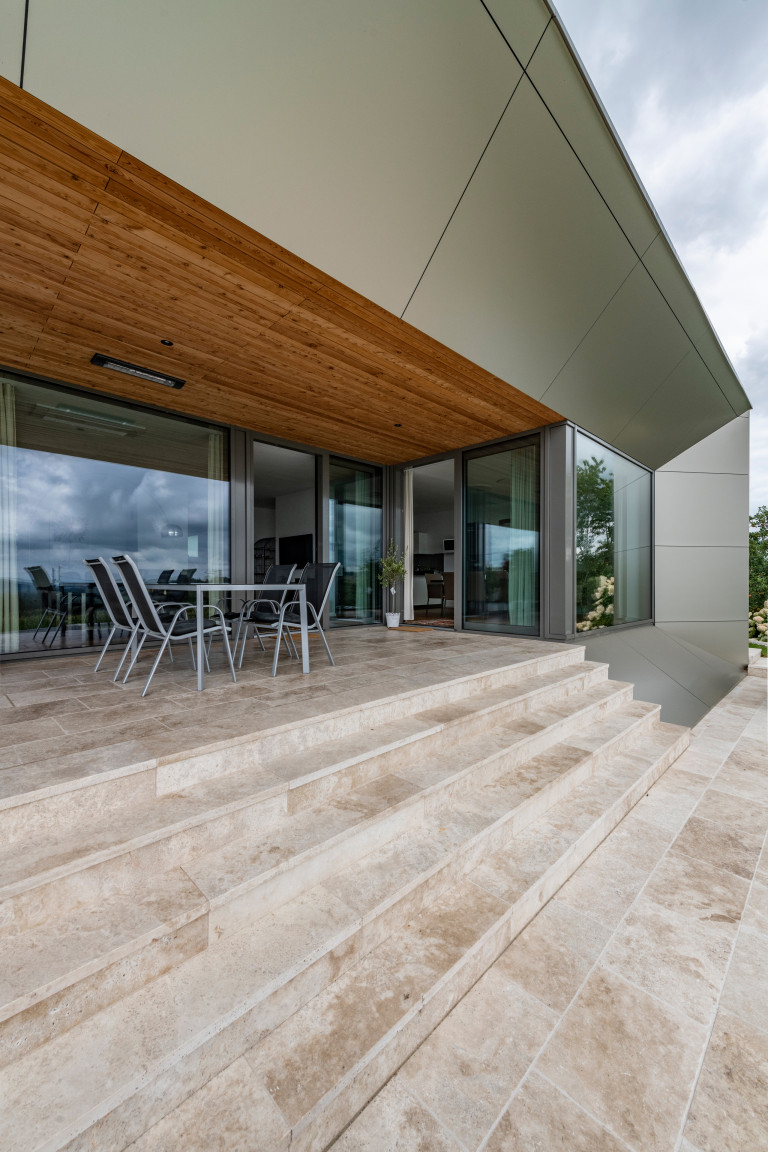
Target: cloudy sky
[{"x": 686, "y": 85}]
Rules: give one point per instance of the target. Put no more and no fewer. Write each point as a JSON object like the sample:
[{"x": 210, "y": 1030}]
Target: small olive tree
[{"x": 391, "y": 568}]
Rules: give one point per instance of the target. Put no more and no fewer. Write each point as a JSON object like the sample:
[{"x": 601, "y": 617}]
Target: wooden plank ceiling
[{"x": 100, "y": 253}]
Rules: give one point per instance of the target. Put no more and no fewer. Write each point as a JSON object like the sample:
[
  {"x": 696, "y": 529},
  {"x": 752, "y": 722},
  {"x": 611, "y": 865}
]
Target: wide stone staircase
[{"x": 266, "y": 933}]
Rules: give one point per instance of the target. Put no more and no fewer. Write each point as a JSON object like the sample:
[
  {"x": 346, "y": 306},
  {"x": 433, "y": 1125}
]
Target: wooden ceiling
[{"x": 100, "y": 253}]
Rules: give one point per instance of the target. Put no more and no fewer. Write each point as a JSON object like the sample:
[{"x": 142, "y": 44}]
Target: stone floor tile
[
  {"x": 541, "y": 1119},
  {"x": 603, "y": 888},
  {"x": 756, "y": 912},
  {"x": 727, "y": 848},
  {"x": 674, "y": 957},
  {"x": 395, "y": 1122},
  {"x": 672, "y": 798},
  {"x": 746, "y": 988},
  {"x": 697, "y": 889},
  {"x": 729, "y": 1112},
  {"x": 553, "y": 955},
  {"x": 232, "y": 1111},
  {"x": 468, "y": 1068},
  {"x": 628, "y": 1060},
  {"x": 733, "y": 811}
]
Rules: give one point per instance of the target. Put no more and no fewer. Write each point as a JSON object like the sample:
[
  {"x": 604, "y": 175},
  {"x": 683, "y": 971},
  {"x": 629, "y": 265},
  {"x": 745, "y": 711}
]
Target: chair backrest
[
  {"x": 434, "y": 586},
  {"x": 140, "y": 597},
  {"x": 318, "y": 579},
  {"x": 185, "y": 576},
  {"x": 448, "y": 585},
  {"x": 277, "y": 574},
  {"x": 109, "y": 592},
  {"x": 165, "y": 576},
  {"x": 40, "y": 578}
]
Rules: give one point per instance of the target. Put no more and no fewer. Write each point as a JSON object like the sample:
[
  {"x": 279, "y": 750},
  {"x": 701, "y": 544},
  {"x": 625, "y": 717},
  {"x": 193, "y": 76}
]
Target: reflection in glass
[
  {"x": 501, "y": 546},
  {"x": 283, "y": 507},
  {"x": 81, "y": 477},
  {"x": 613, "y": 538},
  {"x": 355, "y": 524}
]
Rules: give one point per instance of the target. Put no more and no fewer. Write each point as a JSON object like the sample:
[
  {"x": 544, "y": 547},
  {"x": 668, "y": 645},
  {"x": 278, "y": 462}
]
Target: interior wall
[
  {"x": 295, "y": 513},
  {"x": 701, "y": 548}
]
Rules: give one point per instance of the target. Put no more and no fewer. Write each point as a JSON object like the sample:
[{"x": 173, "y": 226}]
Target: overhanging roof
[{"x": 100, "y": 253}]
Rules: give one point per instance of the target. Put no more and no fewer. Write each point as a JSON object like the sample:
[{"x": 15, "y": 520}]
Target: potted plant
[{"x": 392, "y": 569}]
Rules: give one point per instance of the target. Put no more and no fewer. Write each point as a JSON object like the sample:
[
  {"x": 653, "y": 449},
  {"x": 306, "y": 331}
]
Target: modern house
[
  {"x": 284, "y": 281},
  {"x": 368, "y": 245}
]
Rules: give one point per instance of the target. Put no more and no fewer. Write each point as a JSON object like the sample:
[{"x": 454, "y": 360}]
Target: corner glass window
[
  {"x": 81, "y": 477},
  {"x": 613, "y": 538},
  {"x": 355, "y": 524}
]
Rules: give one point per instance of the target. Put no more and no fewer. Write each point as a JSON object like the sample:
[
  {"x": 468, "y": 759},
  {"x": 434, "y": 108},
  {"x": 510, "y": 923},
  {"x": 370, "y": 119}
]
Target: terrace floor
[
  {"x": 631, "y": 1015},
  {"x": 59, "y": 718}
]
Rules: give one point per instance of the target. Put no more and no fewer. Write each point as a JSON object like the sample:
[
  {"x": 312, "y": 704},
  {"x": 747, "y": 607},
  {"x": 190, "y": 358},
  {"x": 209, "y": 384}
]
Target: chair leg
[
  {"x": 205, "y": 654},
  {"x": 126, "y": 650},
  {"x": 278, "y": 641},
  {"x": 158, "y": 658},
  {"x": 104, "y": 649},
  {"x": 135, "y": 657},
  {"x": 225, "y": 639},
  {"x": 325, "y": 642},
  {"x": 192, "y": 650}
]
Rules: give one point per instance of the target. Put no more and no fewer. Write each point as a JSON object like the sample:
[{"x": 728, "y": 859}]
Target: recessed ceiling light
[
  {"x": 136, "y": 370},
  {"x": 168, "y": 343},
  {"x": 398, "y": 425}
]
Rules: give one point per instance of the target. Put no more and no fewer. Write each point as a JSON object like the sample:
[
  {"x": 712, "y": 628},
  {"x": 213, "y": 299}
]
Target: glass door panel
[
  {"x": 355, "y": 526},
  {"x": 501, "y": 540},
  {"x": 284, "y": 507}
]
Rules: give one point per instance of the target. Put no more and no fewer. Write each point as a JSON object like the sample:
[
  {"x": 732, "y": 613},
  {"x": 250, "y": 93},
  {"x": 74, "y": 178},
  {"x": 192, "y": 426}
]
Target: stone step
[
  {"x": 53, "y": 786},
  {"x": 324, "y": 1000},
  {"x": 62, "y": 870},
  {"x": 82, "y": 959}
]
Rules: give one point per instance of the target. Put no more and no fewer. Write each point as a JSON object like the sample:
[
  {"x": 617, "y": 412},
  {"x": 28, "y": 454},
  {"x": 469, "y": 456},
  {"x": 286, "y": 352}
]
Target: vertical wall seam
[{"x": 24, "y": 44}]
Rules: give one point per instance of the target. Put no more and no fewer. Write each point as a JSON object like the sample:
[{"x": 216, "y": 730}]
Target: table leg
[
  {"x": 304, "y": 634},
  {"x": 200, "y": 640}
]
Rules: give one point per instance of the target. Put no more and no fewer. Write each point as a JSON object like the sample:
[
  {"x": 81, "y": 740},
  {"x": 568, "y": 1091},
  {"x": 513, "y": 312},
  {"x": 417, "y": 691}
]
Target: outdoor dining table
[{"x": 201, "y": 589}]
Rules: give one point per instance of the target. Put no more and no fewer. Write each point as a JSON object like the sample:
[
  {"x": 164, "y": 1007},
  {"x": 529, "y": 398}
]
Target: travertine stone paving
[{"x": 632, "y": 1012}]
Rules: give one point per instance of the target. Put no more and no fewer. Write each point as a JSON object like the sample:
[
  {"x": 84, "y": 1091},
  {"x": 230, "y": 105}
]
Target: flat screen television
[{"x": 297, "y": 549}]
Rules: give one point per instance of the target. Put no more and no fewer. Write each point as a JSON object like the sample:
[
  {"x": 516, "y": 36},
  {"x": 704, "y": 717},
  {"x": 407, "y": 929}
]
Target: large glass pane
[
  {"x": 82, "y": 477},
  {"x": 613, "y": 538},
  {"x": 355, "y": 523},
  {"x": 284, "y": 513},
  {"x": 501, "y": 540}
]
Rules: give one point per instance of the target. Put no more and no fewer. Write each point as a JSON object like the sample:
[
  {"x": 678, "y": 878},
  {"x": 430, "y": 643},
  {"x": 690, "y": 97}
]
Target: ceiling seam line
[
  {"x": 578, "y": 345},
  {"x": 506, "y": 41},
  {"x": 461, "y": 197},
  {"x": 656, "y": 390}
]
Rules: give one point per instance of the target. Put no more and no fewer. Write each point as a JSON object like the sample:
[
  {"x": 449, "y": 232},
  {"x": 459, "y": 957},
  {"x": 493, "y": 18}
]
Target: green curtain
[
  {"x": 9, "y": 585},
  {"x": 523, "y": 560}
]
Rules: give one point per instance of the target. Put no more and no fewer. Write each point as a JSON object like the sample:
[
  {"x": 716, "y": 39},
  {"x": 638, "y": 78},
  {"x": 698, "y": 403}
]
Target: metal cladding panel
[
  {"x": 633, "y": 346},
  {"x": 521, "y": 22},
  {"x": 686, "y": 682},
  {"x": 345, "y": 131},
  {"x": 685, "y": 409},
  {"x": 726, "y": 450},
  {"x": 710, "y": 501},
  {"x": 11, "y": 36},
  {"x": 564, "y": 91},
  {"x": 707, "y": 583},
  {"x": 727, "y": 639},
  {"x": 530, "y": 258}
]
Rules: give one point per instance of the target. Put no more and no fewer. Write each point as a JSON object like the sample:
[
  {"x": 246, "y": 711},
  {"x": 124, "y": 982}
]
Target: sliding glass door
[
  {"x": 355, "y": 525},
  {"x": 501, "y": 539}
]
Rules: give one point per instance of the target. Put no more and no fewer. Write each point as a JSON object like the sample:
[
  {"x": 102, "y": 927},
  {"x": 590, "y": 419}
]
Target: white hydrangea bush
[
  {"x": 758, "y": 623},
  {"x": 601, "y": 615}
]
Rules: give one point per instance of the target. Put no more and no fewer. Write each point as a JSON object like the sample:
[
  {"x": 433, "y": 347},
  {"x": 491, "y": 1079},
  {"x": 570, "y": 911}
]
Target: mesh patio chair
[
  {"x": 262, "y": 602},
  {"x": 117, "y": 610},
  {"x": 168, "y": 632},
  {"x": 50, "y": 601},
  {"x": 318, "y": 580}
]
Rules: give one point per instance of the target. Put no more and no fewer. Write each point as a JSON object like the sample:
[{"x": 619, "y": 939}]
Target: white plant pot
[{"x": 393, "y": 619}]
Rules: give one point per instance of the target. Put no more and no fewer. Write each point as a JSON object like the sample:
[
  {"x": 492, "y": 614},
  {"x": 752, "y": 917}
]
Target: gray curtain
[{"x": 523, "y": 560}]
